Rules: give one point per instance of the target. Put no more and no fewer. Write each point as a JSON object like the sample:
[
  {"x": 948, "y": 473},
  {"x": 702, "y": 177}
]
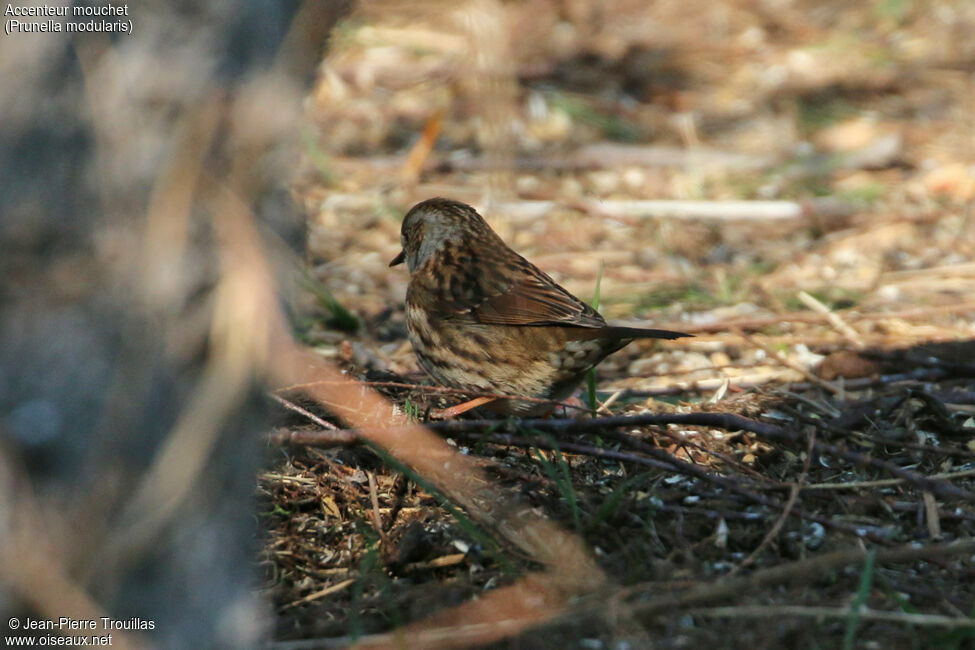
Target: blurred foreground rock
[{"x": 127, "y": 456}]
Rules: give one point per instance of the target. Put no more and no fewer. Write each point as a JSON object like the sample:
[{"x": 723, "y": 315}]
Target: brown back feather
[{"x": 518, "y": 294}]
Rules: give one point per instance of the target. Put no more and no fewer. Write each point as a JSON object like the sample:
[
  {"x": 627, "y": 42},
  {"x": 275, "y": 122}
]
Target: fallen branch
[
  {"x": 575, "y": 448},
  {"x": 834, "y": 319},
  {"x": 427, "y": 388},
  {"x": 341, "y": 438},
  {"x": 718, "y": 210},
  {"x": 707, "y": 385},
  {"x": 291, "y": 406},
  {"x": 607, "y": 155},
  {"x": 886, "y": 482},
  {"x": 840, "y": 613},
  {"x": 812, "y": 568},
  {"x": 727, "y": 421}
]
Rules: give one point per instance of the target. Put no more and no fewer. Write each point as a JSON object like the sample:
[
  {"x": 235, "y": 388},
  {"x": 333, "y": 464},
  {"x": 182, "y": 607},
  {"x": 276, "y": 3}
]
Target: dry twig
[{"x": 727, "y": 421}]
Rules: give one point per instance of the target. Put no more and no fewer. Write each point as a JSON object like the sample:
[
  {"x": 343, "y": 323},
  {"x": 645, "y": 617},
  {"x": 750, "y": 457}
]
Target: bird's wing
[{"x": 517, "y": 294}]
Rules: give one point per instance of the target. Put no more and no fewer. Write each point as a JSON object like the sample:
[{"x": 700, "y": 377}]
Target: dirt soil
[{"x": 839, "y": 313}]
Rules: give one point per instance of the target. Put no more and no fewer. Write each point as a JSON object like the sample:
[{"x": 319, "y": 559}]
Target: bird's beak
[{"x": 399, "y": 259}]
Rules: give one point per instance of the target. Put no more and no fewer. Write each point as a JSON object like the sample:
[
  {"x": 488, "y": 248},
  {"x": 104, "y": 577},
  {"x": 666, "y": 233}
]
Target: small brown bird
[{"x": 484, "y": 319}]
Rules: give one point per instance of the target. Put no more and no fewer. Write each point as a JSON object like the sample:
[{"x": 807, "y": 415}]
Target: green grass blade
[
  {"x": 342, "y": 319},
  {"x": 562, "y": 477},
  {"x": 591, "y": 375},
  {"x": 853, "y": 620},
  {"x": 599, "y": 281},
  {"x": 612, "y": 502},
  {"x": 369, "y": 565},
  {"x": 565, "y": 489}
]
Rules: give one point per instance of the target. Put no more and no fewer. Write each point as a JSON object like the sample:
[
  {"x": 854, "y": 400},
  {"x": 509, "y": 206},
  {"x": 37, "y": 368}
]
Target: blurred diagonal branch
[{"x": 268, "y": 344}]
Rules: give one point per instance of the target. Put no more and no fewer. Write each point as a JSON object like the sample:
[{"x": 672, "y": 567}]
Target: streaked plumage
[{"x": 482, "y": 318}]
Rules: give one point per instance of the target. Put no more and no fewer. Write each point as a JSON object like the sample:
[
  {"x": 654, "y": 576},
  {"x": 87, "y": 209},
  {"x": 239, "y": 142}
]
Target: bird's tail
[{"x": 616, "y": 332}]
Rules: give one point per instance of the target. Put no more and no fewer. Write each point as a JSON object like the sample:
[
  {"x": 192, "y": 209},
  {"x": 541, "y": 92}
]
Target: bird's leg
[
  {"x": 574, "y": 401},
  {"x": 570, "y": 402},
  {"x": 464, "y": 407}
]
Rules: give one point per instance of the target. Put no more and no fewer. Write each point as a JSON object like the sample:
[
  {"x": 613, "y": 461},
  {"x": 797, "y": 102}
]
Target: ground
[{"x": 837, "y": 314}]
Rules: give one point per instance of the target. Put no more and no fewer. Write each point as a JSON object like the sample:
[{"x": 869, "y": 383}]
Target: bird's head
[{"x": 436, "y": 225}]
